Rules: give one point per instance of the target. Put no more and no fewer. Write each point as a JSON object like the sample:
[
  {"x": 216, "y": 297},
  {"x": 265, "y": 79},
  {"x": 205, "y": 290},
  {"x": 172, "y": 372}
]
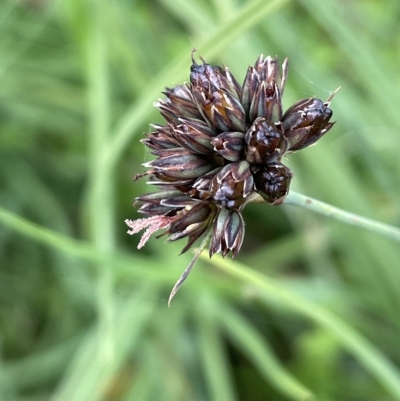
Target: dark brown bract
[{"x": 222, "y": 146}]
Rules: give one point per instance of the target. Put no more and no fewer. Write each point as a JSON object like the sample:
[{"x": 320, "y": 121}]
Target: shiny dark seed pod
[
  {"x": 211, "y": 78},
  {"x": 305, "y": 122},
  {"x": 216, "y": 94},
  {"x": 232, "y": 185},
  {"x": 265, "y": 143},
  {"x": 272, "y": 182},
  {"x": 220, "y": 109}
]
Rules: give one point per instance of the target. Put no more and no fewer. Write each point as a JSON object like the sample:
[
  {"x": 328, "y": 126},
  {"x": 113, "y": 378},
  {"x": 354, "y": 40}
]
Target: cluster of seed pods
[{"x": 222, "y": 145}]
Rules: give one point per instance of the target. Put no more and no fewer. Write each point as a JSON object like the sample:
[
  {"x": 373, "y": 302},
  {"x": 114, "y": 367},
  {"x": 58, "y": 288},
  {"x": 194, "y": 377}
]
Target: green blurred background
[{"x": 311, "y": 306}]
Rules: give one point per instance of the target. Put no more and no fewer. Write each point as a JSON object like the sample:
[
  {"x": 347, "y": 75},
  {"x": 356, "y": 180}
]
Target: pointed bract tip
[
  {"x": 332, "y": 96},
  {"x": 192, "y": 56},
  {"x": 188, "y": 269}
]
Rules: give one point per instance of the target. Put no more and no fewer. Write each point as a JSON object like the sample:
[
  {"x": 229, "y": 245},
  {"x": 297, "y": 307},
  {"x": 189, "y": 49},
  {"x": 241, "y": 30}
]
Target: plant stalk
[{"x": 336, "y": 213}]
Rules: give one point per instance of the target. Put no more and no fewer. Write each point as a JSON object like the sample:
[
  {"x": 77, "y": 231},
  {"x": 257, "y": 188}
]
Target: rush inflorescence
[{"x": 221, "y": 147}]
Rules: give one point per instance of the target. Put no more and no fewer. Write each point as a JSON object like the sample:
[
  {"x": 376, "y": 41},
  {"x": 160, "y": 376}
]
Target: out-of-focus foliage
[{"x": 311, "y": 307}]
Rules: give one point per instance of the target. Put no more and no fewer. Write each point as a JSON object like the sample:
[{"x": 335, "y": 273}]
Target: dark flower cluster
[{"x": 222, "y": 146}]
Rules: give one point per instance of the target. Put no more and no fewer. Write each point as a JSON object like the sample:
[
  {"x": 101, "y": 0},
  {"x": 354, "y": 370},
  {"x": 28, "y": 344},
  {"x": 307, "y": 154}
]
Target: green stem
[
  {"x": 100, "y": 203},
  {"x": 317, "y": 206}
]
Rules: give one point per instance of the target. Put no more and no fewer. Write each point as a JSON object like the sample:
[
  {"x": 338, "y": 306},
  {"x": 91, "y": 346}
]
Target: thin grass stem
[{"x": 336, "y": 213}]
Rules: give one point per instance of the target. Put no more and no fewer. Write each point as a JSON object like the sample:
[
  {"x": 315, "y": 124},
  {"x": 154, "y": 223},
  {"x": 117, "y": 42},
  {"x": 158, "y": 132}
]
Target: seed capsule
[
  {"x": 232, "y": 185},
  {"x": 265, "y": 143},
  {"x": 305, "y": 122},
  {"x": 263, "y": 88},
  {"x": 216, "y": 94},
  {"x": 228, "y": 233},
  {"x": 272, "y": 182}
]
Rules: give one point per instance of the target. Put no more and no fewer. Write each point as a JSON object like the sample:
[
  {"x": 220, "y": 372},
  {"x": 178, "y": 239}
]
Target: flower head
[{"x": 221, "y": 147}]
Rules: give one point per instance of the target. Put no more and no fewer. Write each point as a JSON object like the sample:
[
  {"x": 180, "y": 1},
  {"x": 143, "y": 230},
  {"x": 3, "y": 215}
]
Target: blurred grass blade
[
  {"x": 254, "y": 347},
  {"x": 86, "y": 379},
  {"x": 370, "y": 357},
  {"x": 213, "y": 356},
  {"x": 100, "y": 192},
  {"x": 141, "y": 389},
  {"x": 200, "y": 21},
  {"x": 84, "y": 250},
  {"x": 24, "y": 373}
]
